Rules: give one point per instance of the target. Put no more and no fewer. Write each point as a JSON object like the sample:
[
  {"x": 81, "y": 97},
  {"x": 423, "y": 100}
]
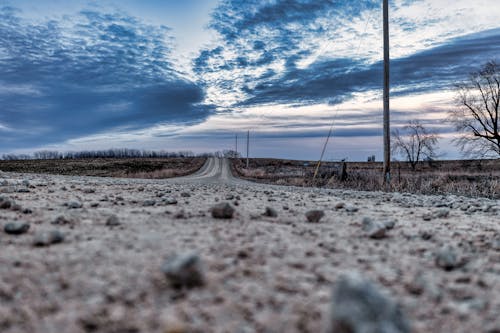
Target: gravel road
[{"x": 212, "y": 253}]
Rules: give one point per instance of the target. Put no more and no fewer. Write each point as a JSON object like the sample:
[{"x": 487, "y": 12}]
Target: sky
[{"x": 194, "y": 74}]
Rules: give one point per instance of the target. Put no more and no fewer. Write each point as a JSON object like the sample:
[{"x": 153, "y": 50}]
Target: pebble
[
  {"x": 61, "y": 220},
  {"x": 222, "y": 210},
  {"x": 113, "y": 221},
  {"x": 374, "y": 229},
  {"x": 184, "y": 271},
  {"x": 170, "y": 201},
  {"x": 447, "y": 258},
  {"x": 185, "y": 195},
  {"x": 270, "y": 212},
  {"x": 339, "y": 205},
  {"x": 314, "y": 215},
  {"x": 359, "y": 306},
  {"x": 149, "y": 203},
  {"x": 442, "y": 213},
  {"x": 47, "y": 238},
  {"x": 74, "y": 205},
  {"x": 5, "y": 204},
  {"x": 16, "y": 228},
  {"x": 351, "y": 209}
]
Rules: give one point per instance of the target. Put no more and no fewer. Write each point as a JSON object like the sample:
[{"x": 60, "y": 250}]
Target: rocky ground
[{"x": 209, "y": 253}]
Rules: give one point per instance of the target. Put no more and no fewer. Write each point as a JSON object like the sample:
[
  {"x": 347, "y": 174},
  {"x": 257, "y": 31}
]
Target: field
[
  {"x": 150, "y": 168},
  {"x": 465, "y": 177}
]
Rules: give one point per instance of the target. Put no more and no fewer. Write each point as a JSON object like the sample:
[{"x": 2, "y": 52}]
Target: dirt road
[{"x": 440, "y": 261}]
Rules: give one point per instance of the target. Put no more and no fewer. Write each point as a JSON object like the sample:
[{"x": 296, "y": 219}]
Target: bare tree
[
  {"x": 414, "y": 143},
  {"x": 476, "y": 116}
]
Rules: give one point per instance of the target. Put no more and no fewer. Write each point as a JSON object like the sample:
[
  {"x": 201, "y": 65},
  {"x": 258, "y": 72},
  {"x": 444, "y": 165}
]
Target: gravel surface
[{"x": 131, "y": 255}]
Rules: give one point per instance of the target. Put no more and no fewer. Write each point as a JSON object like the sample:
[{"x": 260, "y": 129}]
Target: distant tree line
[{"x": 109, "y": 153}]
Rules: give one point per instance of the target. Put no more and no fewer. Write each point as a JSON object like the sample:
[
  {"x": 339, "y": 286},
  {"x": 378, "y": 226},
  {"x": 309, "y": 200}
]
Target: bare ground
[{"x": 263, "y": 274}]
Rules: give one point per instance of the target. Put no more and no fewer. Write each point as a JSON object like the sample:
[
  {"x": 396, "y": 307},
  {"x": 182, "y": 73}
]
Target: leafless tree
[
  {"x": 476, "y": 117},
  {"x": 414, "y": 143}
]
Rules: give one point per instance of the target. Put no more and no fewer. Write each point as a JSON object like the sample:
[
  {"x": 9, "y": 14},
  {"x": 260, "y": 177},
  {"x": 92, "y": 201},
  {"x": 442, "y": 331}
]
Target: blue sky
[{"x": 189, "y": 75}]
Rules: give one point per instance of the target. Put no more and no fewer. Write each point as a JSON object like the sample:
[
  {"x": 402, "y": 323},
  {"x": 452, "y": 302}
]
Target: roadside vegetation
[{"x": 471, "y": 178}]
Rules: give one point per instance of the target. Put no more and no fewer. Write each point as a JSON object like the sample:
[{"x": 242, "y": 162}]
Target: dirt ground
[{"x": 261, "y": 273}]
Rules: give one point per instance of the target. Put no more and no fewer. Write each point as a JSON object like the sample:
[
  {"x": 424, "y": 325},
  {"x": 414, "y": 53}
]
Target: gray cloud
[{"x": 86, "y": 74}]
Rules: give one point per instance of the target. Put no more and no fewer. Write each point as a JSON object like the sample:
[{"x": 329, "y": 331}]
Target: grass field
[
  {"x": 155, "y": 168},
  {"x": 463, "y": 177}
]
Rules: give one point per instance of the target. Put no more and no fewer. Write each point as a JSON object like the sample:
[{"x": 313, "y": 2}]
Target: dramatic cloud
[
  {"x": 308, "y": 52},
  {"x": 86, "y": 74}
]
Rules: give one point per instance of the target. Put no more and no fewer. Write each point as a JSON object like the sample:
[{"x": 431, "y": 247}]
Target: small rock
[
  {"x": 351, "y": 209},
  {"x": 149, "y": 203},
  {"x": 314, "y": 215},
  {"x": 5, "y": 204},
  {"x": 185, "y": 195},
  {"x": 62, "y": 220},
  {"x": 442, "y": 213},
  {"x": 184, "y": 271},
  {"x": 113, "y": 221},
  {"x": 339, "y": 205},
  {"x": 229, "y": 197},
  {"x": 447, "y": 258},
  {"x": 170, "y": 201},
  {"x": 427, "y": 216},
  {"x": 94, "y": 204},
  {"x": 358, "y": 306},
  {"x": 74, "y": 205},
  {"x": 27, "y": 211},
  {"x": 47, "y": 238},
  {"x": 389, "y": 223},
  {"x": 16, "y": 228},
  {"x": 222, "y": 210},
  {"x": 270, "y": 212},
  {"x": 374, "y": 229},
  {"x": 425, "y": 235}
]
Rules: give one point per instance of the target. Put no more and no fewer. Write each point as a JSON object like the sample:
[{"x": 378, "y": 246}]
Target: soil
[{"x": 260, "y": 273}]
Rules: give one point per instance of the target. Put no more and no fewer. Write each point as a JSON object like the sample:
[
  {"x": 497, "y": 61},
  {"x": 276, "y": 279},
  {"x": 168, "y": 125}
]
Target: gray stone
[
  {"x": 351, "y": 209},
  {"x": 16, "y": 228},
  {"x": 5, "y": 204},
  {"x": 184, "y": 271},
  {"x": 447, "y": 258},
  {"x": 222, "y": 210},
  {"x": 149, "y": 203},
  {"x": 47, "y": 238},
  {"x": 270, "y": 212},
  {"x": 74, "y": 205},
  {"x": 315, "y": 215},
  {"x": 442, "y": 213},
  {"x": 359, "y": 307},
  {"x": 62, "y": 220},
  {"x": 185, "y": 195},
  {"x": 113, "y": 221},
  {"x": 170, "y": 201},
  {"x": 374, "y": 229},
  {"x": 339, "y": 205}
]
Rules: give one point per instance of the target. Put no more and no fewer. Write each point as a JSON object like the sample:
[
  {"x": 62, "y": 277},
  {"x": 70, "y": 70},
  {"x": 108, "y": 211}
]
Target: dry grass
[
  {"x": 151, "y": 168},
  {"x": 468, "y": 177}
]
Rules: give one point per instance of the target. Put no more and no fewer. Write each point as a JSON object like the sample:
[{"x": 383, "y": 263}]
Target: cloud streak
[{"x": 88, "y": 73}]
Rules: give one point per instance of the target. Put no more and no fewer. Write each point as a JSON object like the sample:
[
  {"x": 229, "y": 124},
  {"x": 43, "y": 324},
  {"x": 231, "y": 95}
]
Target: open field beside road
[
  {"x": 465, "y": 177},
  {"x": 109, "y": 167},
  {"x": 88, "y": 254}
]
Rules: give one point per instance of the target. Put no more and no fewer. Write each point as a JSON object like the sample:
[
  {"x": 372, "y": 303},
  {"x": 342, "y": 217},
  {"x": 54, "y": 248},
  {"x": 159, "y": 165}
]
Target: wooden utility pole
[
  {"x": 387, "y": 131},
  {"x": 236, "y": 145},
  {"x": 248, "y": 145}
]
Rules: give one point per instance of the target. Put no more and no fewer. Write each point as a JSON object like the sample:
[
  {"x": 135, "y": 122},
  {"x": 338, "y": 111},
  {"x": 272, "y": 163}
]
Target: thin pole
[
  {"x": 248, "y": 145},
  {"x": 387, "y": 137}
]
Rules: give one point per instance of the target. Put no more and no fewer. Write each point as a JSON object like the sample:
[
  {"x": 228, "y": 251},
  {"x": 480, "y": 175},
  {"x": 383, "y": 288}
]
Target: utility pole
[
  {"x": 387, "y": 136},
  {"x": 248, "y": 145},
  {"x": 236, "y": 146}
]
